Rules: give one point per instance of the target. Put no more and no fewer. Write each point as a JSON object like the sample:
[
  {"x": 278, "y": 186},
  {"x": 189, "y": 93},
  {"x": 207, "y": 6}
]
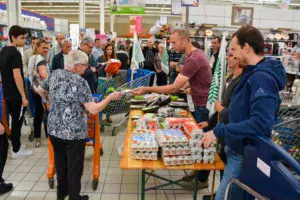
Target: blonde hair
[{"x": 38, "y": 43}]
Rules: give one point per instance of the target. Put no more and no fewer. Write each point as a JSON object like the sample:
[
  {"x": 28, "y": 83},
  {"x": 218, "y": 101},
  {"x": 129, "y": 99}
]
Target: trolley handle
[
  {"x": 279, "y": 152},
  {"x": 244, "y": 187},
  {"x": 278, "y": 166}
]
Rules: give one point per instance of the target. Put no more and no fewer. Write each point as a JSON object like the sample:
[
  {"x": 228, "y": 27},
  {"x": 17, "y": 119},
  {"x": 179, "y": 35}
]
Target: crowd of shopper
[{"x": 68, "y": 78}]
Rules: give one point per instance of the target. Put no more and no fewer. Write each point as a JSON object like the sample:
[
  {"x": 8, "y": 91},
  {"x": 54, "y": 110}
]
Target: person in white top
[
  {"x": 38, "y": 71},
  {"x": 27, "y": 55}
]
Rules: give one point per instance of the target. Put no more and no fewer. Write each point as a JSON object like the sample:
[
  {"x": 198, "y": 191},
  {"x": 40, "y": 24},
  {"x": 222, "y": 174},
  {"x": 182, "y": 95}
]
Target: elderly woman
[{"x": 70, "y": 97}]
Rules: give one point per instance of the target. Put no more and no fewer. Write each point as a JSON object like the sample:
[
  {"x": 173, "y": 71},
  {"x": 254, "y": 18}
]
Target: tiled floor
[{"x": 30, "y": 181}]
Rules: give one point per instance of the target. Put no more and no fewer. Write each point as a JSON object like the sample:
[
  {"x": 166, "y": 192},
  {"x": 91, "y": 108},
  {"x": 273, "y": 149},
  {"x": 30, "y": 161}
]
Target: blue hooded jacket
[{"x": 254, "y": 104}]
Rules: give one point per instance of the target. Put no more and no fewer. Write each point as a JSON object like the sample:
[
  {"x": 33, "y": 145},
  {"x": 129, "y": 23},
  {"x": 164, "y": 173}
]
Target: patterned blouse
[{"x": 67, "y": 118}]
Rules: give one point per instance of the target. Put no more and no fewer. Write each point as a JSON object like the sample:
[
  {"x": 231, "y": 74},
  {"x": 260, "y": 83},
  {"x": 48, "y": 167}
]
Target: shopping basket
[
  {"x": 122, "y": 106},
  {"x": 271, "y": 169},
  {"x": 93, "y": 139}
]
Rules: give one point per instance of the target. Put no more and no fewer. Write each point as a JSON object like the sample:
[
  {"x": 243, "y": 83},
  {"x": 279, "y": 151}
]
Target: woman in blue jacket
[{"x": 254, "y": 103}]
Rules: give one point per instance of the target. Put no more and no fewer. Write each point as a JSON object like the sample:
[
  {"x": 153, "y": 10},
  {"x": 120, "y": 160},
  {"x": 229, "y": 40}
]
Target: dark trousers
[
  {"x": 17, "y": 114},
  {"x": 161, "y": 79},
  {"x": 38, "y": 116},
  {"x": 69, "y": 161},
  {"x": 151, "y": 81},
  {"x": 3, "y": 152}
]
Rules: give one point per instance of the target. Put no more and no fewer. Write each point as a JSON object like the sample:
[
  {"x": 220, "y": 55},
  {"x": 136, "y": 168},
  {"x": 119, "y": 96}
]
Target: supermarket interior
[{"x": 150, "y": 99}]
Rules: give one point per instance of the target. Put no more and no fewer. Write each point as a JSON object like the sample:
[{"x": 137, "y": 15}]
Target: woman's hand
[
  {"x": 115, "y": 96},
  {"x": 207, "y": 139},
  {"x": 158, "y": 70},
  {"x": 218, "y": 106},
  {"x": 203, "y": 125}
]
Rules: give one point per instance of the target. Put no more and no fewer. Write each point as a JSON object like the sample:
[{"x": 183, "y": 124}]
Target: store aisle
[{"x": 30, "y": 181}]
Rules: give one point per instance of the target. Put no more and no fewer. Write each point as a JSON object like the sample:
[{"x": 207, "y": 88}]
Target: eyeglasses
[
  {"x": 84, "y": 65},
  {"x": 89, "y": 46}
]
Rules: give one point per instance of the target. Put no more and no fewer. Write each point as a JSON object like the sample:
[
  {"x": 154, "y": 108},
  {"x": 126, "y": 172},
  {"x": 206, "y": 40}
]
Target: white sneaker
[{"x": 22, "y": 153}]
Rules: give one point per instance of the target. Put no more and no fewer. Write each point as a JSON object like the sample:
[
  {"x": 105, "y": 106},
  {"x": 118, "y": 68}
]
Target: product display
[
  {"x": 192, "y": 130},
  {"x": 171, "y": 137},
  {"x": 175, "y": 122}
]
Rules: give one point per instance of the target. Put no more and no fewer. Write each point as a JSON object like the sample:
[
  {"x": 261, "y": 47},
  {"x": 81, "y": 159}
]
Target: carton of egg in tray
[
  {"x": 175, "y": 147},
  {"x": 199, "y": 154},
  {"x": 172, "y": 123},
  {"x": 148, "y": 121},
  {"x": 144, "y": 146}
]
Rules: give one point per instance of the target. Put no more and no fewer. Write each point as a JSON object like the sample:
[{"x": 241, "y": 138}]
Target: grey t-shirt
[{"x": 67, "y": 118}]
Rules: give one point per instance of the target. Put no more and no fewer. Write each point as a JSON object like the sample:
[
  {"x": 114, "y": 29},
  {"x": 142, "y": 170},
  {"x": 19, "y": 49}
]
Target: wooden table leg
[
  {"x": 196, "y": 185},
  {"x": 143, "y": 184},
  {"x": 213, "y": 185}
]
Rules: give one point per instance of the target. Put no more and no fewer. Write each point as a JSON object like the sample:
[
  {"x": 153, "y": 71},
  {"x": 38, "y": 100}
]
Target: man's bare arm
[{"x": 179, "y": 83}]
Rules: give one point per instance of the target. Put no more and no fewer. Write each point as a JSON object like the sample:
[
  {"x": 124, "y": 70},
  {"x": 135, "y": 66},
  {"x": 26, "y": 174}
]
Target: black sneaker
[
  {"x": 84, "y": 197},
  {"x": 5, "y": 187}
]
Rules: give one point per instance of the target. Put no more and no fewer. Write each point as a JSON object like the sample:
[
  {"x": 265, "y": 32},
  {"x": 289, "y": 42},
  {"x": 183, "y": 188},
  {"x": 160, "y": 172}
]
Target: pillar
[
  {"x": 14, "y": 13},
  {"x": 102, "y": 17},
  {"x": 81, "y": 14}
]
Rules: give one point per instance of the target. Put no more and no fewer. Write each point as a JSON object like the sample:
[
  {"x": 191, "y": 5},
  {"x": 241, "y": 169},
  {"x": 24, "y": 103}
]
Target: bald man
[
  {"x": 149, "y": 54},
  {"x": 56, "y": 48}
]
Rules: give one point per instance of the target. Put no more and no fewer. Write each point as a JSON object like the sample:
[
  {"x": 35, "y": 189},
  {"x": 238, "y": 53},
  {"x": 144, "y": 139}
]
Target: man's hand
[
  {"x": 139, "y": 91},
  {"x": 173, "y": 64},
  {"x": 158, "y": 70},
  {"x": 203, "y": 125},
  {"x": 2, "y": 129},
  {"x": 207, "y": 139},
  {"x": 115, "y": 96},
  {"x": 24, "y": 102},
  {"x": 218, "y": 106},
  {"x": 93, "y": 69}
]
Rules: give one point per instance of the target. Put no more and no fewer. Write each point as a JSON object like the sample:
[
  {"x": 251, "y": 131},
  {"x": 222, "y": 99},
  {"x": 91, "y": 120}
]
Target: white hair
[
  {"x": 65, "y": 41},
  {"x": 76, "y": 57}
]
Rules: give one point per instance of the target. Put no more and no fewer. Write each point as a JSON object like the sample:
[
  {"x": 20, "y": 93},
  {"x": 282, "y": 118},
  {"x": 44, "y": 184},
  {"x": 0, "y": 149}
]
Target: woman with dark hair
[
  {"x": 37, "y": 71},
  {"x": 109, "y": 53}
]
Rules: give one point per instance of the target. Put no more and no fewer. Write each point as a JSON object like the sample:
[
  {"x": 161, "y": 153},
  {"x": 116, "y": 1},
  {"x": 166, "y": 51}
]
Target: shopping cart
[
  {"x": 29, "y": 114},
  {"x": 141, "y": 78},
  {"x": 92, "y": 140},
  {"x": 271, "y": 168},
  {"x": 288, "y": 112}
]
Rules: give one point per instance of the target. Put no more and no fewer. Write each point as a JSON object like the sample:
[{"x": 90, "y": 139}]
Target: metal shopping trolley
[
  {"x": 29, "y": 113},
  {"x": 92, "y": 140},
  {"x": 120, "y": 83},
  {"x": 271, "y": 168}
]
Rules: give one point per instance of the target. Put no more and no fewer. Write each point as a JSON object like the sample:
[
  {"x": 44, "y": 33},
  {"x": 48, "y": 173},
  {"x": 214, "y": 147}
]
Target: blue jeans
[
  {"x": 200, "y": 114},
  {"x": 233, "y": 169}
]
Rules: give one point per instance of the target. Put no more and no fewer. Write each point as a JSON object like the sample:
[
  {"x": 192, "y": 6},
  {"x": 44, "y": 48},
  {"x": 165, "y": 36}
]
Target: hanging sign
[
  {"x": 176, "y": 7},
  {"x": 284, "y": 4},
  {"x": 139, "y": 24},
  {"x": 191, "y": 3},
  {"x": 127, "y": 7}
]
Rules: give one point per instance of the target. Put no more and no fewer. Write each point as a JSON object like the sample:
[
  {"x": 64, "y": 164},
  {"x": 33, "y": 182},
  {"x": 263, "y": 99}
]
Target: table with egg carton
[{"x": 148, "y": 167}]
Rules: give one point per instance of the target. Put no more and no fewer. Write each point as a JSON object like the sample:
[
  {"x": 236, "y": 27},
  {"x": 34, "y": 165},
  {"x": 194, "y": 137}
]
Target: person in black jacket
[
  {"x": 222, "y": 109},
  {"x": 149, "y": 54},
  {"x": 216, "y": 44},
  {"x": 58, "y": 61},
  {"x": 90, "y": 75}
]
